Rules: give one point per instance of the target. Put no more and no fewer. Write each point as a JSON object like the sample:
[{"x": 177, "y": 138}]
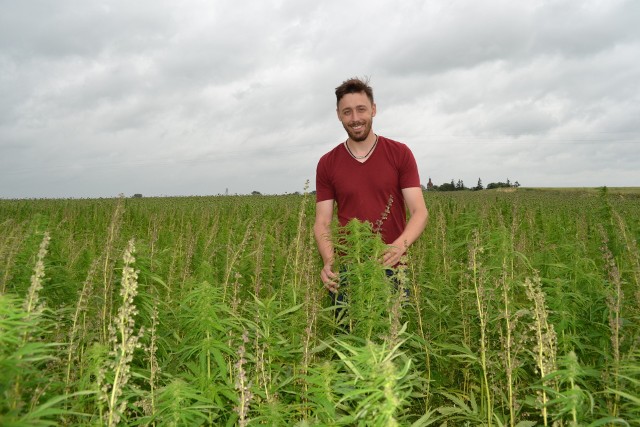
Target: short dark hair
[{"x": 354, "y": 85}]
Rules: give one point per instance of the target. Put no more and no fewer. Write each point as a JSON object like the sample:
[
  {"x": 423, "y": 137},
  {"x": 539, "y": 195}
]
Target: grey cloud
[
  {"x": 585, "y": 28},
  {"x": 467, "y": 34},
  {"x": 521, "y": 118},
  {"x": 75, "y": 28},
  {"x": 159, "y": 98}
]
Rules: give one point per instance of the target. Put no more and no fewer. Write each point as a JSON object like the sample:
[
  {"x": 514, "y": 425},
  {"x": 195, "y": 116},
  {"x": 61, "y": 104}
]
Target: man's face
[{"x": 356, "y": 113}]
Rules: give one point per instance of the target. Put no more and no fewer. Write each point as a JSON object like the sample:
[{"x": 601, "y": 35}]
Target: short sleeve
[
  {"x": 324, "y": 188},
  {"x": 409, "y": 176}
]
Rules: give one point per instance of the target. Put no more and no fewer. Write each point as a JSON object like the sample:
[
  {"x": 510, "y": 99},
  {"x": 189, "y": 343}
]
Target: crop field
[{"x": 513, "y": 309}]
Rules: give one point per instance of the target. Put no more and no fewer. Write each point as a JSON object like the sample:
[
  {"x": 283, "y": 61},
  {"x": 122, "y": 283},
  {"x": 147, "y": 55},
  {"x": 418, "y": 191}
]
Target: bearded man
[{"x": 364, "y": 176}]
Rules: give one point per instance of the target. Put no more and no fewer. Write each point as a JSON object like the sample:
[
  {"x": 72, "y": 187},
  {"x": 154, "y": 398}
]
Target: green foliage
[
  {"x": 373, "y": 383},
  {"x": 364, "y": 280},
  {"x": 24, "y": 359},
  {"x": 522, "y": 309}
]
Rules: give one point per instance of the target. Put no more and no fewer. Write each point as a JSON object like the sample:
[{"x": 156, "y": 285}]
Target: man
[{"x": 363, "y": 175}]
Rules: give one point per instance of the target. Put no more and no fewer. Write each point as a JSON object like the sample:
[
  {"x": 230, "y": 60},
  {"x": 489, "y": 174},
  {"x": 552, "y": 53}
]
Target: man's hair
[{"x": 354, "y": 85}]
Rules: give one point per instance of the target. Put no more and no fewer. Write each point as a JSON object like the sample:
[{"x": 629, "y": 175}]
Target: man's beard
[{"x": 358, "y": 137}]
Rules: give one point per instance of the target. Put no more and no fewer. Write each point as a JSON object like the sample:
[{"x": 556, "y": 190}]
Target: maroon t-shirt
[{"x": 362, "y": 190}]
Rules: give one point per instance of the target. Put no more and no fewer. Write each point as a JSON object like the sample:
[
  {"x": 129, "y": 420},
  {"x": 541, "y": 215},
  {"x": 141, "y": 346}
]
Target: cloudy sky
[{"x": 199, "y": 97}]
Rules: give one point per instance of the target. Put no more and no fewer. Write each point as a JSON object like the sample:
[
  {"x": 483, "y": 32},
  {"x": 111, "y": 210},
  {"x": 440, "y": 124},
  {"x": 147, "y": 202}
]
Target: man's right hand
[{"x": 329, "y": 278}]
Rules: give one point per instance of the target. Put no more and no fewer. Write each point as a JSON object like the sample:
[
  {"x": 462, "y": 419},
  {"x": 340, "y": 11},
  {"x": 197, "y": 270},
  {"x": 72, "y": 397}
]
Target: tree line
[{"x": 459, "y": 185}]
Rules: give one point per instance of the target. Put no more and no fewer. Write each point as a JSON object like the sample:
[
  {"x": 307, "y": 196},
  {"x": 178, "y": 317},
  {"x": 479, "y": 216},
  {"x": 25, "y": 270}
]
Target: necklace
[{"x": 366, "y": 155}]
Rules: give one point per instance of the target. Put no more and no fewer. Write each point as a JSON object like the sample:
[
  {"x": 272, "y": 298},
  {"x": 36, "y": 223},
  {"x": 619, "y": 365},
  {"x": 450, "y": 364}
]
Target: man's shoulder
[{"x": 392, "y": 144}]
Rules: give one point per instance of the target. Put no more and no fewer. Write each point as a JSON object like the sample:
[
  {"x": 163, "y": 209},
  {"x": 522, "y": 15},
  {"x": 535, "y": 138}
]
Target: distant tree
[
  {"x": 460, "y": 185},
  {"x": 256, "y": 193},
  {"x": 479, "y": 186},
  {"x": 502, "y": 185},
  {"x": 137, "y": 195},
  {"x": 447, "y": 187}
]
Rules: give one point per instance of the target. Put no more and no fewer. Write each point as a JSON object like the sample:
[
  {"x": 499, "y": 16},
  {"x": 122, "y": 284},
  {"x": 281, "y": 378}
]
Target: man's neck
[{"x": 363, "y": 147}]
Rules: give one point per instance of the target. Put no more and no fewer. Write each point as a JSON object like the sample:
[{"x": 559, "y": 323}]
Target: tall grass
[{"x": 521, "y": 309}]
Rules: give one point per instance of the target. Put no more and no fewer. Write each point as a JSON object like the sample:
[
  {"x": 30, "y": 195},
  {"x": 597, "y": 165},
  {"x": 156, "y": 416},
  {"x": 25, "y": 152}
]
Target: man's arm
[
  {"x": 418, "y": 217},
  {"x": 322, "y": 233}
]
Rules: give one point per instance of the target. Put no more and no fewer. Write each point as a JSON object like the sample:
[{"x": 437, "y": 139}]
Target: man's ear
[{"x": 373, "y": 110}]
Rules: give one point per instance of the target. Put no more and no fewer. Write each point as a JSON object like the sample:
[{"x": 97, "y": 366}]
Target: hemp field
[{"x": 523, "y": 309}]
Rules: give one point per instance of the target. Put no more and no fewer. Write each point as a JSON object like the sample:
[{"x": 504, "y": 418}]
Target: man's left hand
[{"x": 392, "y": 255}]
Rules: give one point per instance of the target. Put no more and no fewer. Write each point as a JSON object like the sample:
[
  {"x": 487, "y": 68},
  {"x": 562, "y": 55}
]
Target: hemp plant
[
  {"x": 125, "y": 341},
  {"x": 367, "y": 288}
]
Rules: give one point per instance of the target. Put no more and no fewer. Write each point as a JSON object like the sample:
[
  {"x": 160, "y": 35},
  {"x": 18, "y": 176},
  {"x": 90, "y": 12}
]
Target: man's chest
[{"x": 353, "y": 178}]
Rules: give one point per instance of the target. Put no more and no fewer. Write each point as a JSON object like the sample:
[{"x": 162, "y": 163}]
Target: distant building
[{"x": 429, "y": 185}]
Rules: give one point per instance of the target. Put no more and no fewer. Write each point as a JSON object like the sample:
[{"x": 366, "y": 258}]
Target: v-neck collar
[{"x": 369, "y": 156}]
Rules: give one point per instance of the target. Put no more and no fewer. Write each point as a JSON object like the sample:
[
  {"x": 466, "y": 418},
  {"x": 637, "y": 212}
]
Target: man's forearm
[
  {"x": 414, "y": 228},
  {"x": 416, "y": 224},
  {"x": 323, "y": 240}
]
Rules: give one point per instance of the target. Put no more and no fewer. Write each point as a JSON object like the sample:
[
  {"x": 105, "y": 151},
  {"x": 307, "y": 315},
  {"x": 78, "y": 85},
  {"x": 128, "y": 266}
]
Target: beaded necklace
[{"x": 366, "y": 155}]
